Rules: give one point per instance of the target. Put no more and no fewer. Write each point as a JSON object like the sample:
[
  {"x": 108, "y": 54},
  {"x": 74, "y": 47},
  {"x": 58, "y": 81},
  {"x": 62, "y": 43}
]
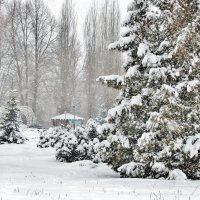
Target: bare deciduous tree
[
  {"x": 5, "y": 64},
  {"x": 68, "y": 55},
  {"x": 46, "y": 62},
  {"x": 24, "y": 40},
  {"x": 43, "y": 27}
]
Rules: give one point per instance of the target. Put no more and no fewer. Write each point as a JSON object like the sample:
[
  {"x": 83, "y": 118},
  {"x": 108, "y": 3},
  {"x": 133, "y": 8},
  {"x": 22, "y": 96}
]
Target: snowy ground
[{"x": 29, "y": 173}]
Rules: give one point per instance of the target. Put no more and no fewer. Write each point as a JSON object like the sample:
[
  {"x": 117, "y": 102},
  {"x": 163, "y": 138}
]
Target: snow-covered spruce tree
[
  {"x": 79, "y": 144},
  {"x": 156, "y": 117},
  {"x": 50, "y": 137},
  {"x": 71, "y": 146},
  {"x": 10, "y": 125},
  {"x": 85, "y": 143}
]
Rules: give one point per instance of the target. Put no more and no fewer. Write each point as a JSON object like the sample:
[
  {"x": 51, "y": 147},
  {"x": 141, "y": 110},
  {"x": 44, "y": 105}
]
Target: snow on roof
[{"x": 67, "y": 116}]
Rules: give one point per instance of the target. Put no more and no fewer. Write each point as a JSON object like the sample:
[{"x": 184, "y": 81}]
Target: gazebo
[{"x": 67, "y": 119}]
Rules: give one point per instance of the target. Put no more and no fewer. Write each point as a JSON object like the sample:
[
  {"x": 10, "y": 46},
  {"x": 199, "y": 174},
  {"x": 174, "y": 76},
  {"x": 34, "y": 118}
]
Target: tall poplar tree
[
  {"x": 101, "y": 27},
  {"x": 68, "y": 53}
]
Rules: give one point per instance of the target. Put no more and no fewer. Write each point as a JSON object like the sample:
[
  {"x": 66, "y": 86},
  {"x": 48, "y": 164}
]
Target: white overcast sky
[{"x": 81, "y": 7}]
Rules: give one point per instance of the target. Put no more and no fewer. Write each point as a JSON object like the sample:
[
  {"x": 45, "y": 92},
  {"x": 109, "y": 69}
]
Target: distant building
[{"x": 67, "y": 119}]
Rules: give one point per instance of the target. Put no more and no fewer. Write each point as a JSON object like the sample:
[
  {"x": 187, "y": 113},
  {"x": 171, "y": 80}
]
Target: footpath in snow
[{"x": 30, "y": 173}]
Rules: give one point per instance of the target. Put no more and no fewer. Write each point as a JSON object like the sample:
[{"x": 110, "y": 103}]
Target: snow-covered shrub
[
  {"x": 177, "y": 174},
  {"x": 159, "y": 170},
  {"x": 91, "y": 129},
  {"x": 1, "y": 136},
  {"x": 103, "y": 143},
  {"x": 79, "y": 144},
  {"x": 73, "y": 145},
  {"x": 50, "y": 137},
  {"x": 87, "y": 143},
  {"x": 185, "y": 155},
  {"x": 99, "y": 150},
  {"x": 9, "y": 126},
  {"x": 132, "y": 170},
  {"x": 14, "y": 137},
  {"x": 140, "y": 170},
  {"x": 68, "y": 149}
]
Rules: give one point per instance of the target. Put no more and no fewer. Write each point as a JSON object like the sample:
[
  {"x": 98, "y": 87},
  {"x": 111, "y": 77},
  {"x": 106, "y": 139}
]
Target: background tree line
[{"x": 51, "y": 63}]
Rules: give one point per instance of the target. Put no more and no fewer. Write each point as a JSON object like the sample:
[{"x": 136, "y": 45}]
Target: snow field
[{"x": 31, "y": 173}]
